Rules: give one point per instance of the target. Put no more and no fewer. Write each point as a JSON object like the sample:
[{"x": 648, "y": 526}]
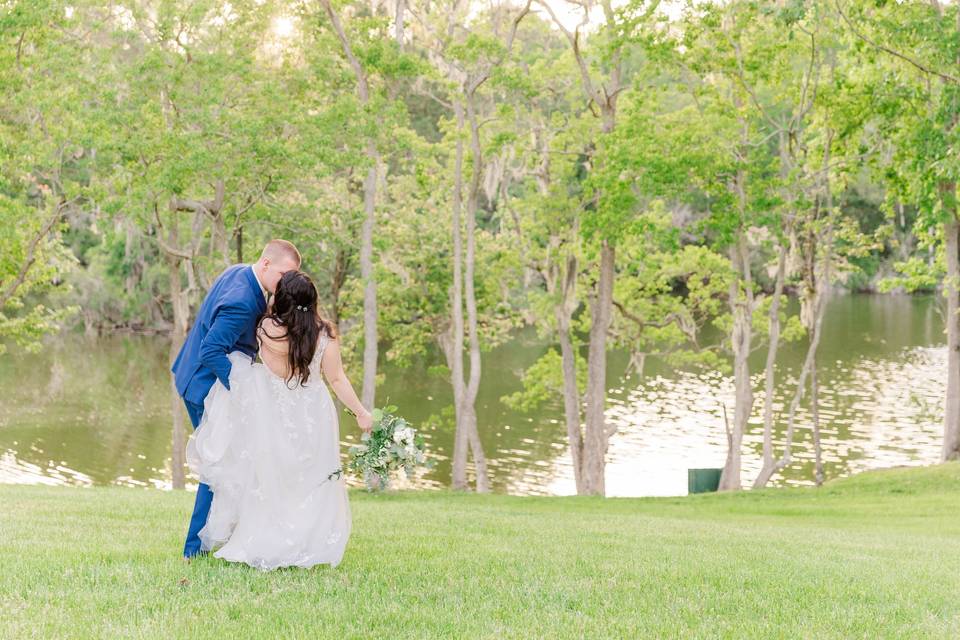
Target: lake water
[{"x": 96, "y": 412}]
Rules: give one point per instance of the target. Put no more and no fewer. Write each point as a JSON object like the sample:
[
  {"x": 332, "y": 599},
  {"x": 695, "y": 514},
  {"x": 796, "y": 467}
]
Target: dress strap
[{"x": 322, "y": 343}]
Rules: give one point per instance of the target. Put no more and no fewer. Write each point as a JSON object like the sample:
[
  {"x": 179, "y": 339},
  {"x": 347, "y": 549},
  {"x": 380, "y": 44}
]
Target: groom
[{"x": 226, "y": 322}]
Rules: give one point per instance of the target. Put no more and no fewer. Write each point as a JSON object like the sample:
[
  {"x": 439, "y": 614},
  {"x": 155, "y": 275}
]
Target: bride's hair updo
[{"x": 295, "y": 309}]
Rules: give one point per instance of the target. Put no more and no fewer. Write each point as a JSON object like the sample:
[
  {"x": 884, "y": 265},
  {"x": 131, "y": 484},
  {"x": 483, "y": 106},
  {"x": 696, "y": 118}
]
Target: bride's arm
[{"x": 332, "y": 367}]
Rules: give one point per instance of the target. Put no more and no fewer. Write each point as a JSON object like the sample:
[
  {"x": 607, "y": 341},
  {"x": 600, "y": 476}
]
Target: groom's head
[{"x": 278, "y": 257}]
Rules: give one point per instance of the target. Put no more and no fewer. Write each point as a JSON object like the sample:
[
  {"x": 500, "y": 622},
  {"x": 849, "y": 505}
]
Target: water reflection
[{"x": 96, "y": 412}]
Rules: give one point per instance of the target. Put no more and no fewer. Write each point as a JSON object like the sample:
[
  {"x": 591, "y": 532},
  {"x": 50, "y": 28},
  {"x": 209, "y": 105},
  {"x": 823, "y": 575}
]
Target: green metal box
[{"x": 703, "y": 480}]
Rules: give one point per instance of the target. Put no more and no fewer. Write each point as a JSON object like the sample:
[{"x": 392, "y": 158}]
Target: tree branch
[
  {"x": 182, "y": 204},
  {"x": 574, "y": 39},
  {"x": 362, "y": 87},
  {"x": 20, "y": 47},
  {"x": 173, "y": 251},
  {"x": 31, "y": 256},
  {"x": 922, "y": 67}
]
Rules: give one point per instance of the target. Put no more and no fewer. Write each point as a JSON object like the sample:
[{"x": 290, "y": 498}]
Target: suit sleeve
[{"x": 228, "y": 325}]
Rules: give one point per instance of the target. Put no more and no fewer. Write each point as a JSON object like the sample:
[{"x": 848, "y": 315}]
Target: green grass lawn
[{"x": 877, "y": 555}]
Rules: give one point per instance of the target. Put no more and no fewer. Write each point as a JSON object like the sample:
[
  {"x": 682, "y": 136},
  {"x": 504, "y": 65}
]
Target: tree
[
  {"x": 466, "y": 63},
  {"x": 757, "y": 88},
  {"x": 44, "y": 160},
  {"x": 191, "y": 128},
  {"x": 915, "y": 47},
  {"x": 370, "y": 335},
  {"x": 602, "y": 80}
]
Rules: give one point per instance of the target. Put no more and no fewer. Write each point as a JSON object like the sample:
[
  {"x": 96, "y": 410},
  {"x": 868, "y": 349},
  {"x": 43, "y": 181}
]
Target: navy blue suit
[{"x": 226, "y": 322}]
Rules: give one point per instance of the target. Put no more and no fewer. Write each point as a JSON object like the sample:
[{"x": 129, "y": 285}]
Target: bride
[{"x": 269, "y": 446}]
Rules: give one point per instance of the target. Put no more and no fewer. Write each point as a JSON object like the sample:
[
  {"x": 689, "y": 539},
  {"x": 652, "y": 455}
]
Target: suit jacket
[{"x": 226, "y": 322}]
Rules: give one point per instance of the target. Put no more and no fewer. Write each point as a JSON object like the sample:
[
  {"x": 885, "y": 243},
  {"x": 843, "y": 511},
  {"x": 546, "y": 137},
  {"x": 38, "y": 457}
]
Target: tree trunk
[
  {"x": 219, "y": 239},
  {"x": 807, "y": 369},
  {"x": 740, "y": 337},
  {"x": 822, "y": 291},
  {"x": 339, "y": 278},
  {"x": 773, "y": 346},
  {"x": 597, "y": 436},
  {"x": 369, "y": 206},
  {"x": 473, "y": 383},
  {"x": 459, "y": 479},
  {"x": 560, "y": 275},
  {"x": 815, "y": 410},
  {"x": 219, "y": 242},
  {"x": 179, "y": 428},
  {"x": 951, "y": 421},
  {"x": 571, "y": 393},
  {"x": 133, "y": 277},
  {"x": 469, "y": 418},
  {"x": 370, "y": 346},
  {"x": 239, "y": 244},
  {"x": 948, "y": 199},
  {"x": 178, "y": 332},
  {"x": 812, "y": 308},
  {"x": 769, "y": 374},
  {"x": 398, "y": 22}
]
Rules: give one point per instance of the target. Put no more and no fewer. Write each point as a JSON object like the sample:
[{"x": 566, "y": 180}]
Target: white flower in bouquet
[{"x": 391, "y": 443}]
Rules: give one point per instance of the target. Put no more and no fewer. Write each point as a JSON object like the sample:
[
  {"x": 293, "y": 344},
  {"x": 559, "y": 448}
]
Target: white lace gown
[{"x": 267, "y": 450}]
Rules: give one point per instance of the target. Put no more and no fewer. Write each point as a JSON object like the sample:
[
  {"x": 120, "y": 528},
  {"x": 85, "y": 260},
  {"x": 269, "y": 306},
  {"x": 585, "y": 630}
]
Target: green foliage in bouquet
[{"x": 390, "y": 445}]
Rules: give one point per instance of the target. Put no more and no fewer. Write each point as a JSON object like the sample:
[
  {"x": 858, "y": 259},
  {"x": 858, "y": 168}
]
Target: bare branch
[
  {"x": 804, "y": 105},
  {"x": 669, "y": 319},
  {"x": 423, "y": 90},
  {"x": 574, "y": 39},
  {"x": 182, "y": 204},
  {"x": 173, "y": 251}
]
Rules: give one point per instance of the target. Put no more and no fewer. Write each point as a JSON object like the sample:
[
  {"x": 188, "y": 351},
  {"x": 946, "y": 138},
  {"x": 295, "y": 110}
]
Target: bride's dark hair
[{"x": 295, "y": 309}]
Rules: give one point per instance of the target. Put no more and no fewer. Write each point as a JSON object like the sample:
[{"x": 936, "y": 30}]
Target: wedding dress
[{"x": 270, "y": 453}]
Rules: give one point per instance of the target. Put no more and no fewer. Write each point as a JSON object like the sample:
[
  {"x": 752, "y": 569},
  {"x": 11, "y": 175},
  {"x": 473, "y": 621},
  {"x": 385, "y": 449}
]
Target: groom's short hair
[{"x": 277, "y": 249}]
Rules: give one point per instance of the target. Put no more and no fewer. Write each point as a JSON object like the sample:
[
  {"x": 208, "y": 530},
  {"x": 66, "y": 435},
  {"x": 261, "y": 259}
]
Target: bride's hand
[{"x": 365, "y": 420}]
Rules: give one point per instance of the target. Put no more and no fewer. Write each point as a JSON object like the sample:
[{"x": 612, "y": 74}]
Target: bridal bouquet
[{"x": 390, "y": 445}]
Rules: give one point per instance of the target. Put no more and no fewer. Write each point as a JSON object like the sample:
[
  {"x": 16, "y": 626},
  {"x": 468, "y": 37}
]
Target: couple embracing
[{"x": 266, "y": 434}]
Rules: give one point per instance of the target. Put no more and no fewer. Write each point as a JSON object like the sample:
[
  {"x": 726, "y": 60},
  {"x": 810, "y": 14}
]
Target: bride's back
[
  {"x": 293, "y": 334},
  {"x": 275, "y": 347}
]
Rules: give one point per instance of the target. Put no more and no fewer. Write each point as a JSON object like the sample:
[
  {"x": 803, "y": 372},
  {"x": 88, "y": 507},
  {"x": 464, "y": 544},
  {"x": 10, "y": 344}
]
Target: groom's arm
[{"x": 228, "y": 325}]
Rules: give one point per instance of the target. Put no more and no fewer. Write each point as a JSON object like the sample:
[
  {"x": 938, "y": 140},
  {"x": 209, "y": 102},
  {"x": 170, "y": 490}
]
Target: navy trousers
[{"x": 201, "y": 506}]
